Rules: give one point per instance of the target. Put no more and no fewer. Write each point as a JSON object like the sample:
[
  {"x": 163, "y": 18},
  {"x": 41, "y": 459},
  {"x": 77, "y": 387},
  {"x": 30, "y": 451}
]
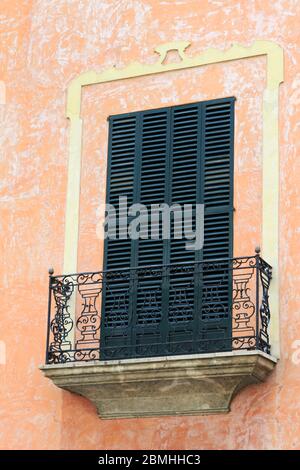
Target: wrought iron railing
[{"x": 210, "y": 306}]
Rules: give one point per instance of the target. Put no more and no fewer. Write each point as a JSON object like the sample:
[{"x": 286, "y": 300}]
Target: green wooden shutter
[
  {"x": 182, "y": 155},
  {"x": 185, "y": 173},
  {"x": 217, "y": 185},
  {"x": 118, "y": 253}
]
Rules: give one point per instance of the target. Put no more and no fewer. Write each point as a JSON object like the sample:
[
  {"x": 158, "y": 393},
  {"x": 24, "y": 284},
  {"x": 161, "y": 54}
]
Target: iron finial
[
  {"x": 257, "y": 250},
  {"x": 51, "y": 271}
]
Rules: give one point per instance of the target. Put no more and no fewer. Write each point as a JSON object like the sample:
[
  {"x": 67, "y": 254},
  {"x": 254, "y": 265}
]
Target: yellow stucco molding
[{"x": 274, "y": 54}]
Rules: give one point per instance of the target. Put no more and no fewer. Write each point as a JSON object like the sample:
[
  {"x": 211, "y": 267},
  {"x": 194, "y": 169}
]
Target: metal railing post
[
  {"x": 51, "y": 272},
  {"x": 257, "y": 257}
]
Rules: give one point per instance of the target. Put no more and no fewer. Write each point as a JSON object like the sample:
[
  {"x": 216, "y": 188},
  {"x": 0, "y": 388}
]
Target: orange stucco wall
[{"x": 43, "y": 46}]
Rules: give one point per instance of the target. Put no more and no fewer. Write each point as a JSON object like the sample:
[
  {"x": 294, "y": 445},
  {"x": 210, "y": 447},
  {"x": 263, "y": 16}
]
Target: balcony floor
[{"x": 160, "y": 386}]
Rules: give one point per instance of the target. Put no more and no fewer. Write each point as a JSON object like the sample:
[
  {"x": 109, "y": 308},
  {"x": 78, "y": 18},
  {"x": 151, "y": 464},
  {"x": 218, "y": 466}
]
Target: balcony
[{"x": 161, "y": 340}]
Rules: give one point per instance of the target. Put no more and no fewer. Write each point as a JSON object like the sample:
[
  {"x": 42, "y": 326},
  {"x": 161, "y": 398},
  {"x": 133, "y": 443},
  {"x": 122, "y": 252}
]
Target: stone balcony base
[{"x": 172, "y": 385}]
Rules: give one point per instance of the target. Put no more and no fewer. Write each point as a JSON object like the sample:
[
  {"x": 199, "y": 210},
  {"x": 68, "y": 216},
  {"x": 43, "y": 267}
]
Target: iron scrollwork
[
  {"x": 240, "y": 291},
  {"x": 265, "y": 273},
  {"x": 62, "y": 323}
]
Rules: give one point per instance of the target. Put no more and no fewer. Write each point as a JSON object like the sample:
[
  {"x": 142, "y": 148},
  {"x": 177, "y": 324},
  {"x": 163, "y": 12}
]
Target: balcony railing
[{"x": 187, "y": 308}]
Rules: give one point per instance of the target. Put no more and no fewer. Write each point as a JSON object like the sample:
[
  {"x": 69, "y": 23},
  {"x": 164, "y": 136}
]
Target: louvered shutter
[
  {"x": 118, "y": 253},
  {"x": 176, "y": 155},
  {"x": 217, "y": 185}
]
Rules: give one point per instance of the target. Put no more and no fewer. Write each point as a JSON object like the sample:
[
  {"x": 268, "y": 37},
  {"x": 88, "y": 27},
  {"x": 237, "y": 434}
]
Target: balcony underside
[{"x": 172, "y": 385}]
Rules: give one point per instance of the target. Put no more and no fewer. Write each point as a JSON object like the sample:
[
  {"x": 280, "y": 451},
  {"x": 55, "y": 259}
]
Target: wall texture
[{"x": 44, "y": 44}]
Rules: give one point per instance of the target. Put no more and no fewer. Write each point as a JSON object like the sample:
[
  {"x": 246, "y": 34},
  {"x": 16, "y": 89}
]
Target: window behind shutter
[{"x": 176, "y": 155}]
